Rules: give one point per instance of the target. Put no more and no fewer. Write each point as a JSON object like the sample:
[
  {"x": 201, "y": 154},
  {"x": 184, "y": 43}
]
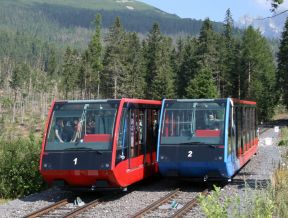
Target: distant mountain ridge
[
  {"x": 135, "y": 16},
  {"x": 269, "y": 27}
]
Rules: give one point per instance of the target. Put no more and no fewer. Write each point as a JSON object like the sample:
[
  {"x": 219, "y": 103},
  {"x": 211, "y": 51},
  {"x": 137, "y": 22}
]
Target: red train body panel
[{"x": 100, "y": 144}]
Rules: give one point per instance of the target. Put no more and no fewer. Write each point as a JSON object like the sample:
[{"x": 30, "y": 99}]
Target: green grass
[
  {"x": 3, "y": 201},
  {"x": 284, "y": 137}
]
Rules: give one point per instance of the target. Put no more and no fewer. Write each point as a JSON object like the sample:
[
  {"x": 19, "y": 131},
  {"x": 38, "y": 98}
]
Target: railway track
[
  {"x": 66, "y": 208},
  {"x": 166, "y": 200},
  {"x": 48, "y": 209},
  {"x": 188, "y": 206}
]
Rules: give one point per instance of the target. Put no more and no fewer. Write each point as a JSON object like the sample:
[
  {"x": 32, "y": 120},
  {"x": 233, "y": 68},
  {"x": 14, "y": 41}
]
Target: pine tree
[
  {"x": 70, "y": 71},
  {"x": 257, "y": 76},
  {"x": 282, "y": 72},
  {"x": 163, "y": 82},
  {"x": 177, "y": 56},
  {"x": 227, "y": 60},
  {"x": 207, "y": 54},
  {"x": 158, "y": 65},
  {"x": 202, "y": 86},
  {"x": 16, "y": 81},
  {"x": 84, "y": 77},
  {"x": 152, "y": 55},
  {"x": 188, "y": 66},
  {"x": 51, "y": 63},
  {"x": 95, "y": 59},
  {"x": 134, "y": 83},
  {"x": 114, "y": 70}
]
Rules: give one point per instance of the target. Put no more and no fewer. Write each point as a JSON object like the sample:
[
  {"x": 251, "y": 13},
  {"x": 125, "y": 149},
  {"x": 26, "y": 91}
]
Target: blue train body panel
[
  {"x": 194, "y": 169},
  {"x": 201, "y": 138}
]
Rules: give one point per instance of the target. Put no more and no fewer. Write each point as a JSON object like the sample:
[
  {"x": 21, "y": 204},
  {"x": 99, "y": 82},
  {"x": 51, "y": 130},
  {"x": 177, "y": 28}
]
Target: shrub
[
  {"x": 19, "y": 167},
  {"x": 212, "y": 206}
]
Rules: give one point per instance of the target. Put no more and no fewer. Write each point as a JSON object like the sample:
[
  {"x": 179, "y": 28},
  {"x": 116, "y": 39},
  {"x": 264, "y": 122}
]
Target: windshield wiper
[
  {"x": 83, "y": 149},
  {"x": 193, "y": 143},
  {"x": 78, "y": 148}
]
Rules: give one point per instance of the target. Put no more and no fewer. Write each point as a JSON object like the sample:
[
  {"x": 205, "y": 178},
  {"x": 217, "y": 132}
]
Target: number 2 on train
[{"x": 190, "y": 153}]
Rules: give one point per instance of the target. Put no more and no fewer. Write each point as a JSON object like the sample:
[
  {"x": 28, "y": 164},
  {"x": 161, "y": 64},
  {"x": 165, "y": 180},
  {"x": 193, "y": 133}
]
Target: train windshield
[
  {"x": 82, "y": 126},
  {"x": 193, "y": 122}
]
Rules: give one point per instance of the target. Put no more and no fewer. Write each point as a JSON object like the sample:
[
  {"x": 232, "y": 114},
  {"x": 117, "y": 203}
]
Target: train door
[
  {"x": 137, "y": 140},
  {"x": 136, "y": 132},
  {"x": 151, "y": 135},
  {"x": 131, "y": 136}
]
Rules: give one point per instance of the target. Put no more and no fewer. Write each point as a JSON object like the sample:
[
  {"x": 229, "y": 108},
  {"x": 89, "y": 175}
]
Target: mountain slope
[{"x": 54, "y": 16}]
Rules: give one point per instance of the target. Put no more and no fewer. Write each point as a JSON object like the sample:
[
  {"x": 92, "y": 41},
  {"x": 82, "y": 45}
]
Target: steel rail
[
  {"x": 187, "y": 207},
  {"x": 47, "y": 209},
  {"x": 156, "y": 204},
  {"x": 91, "y": 204},
  {"x": 82, "y": 208}
]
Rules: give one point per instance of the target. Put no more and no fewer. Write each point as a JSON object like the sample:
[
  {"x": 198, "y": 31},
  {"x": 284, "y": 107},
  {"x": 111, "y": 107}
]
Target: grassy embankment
[{"x": 269, "y": 202}]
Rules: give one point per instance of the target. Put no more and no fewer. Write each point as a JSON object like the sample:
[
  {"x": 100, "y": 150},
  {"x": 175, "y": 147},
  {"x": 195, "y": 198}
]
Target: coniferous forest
[{"x": 119, "y": 63}]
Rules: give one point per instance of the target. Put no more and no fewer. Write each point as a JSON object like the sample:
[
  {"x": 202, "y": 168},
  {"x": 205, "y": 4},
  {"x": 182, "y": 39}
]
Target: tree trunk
[
  {"x": 115, "y": 87},
  {"x": 14, "y": 107},
  {"x": 22, "y": 109},
  {"x": 249, "y": 79},
  {"x": 98, "y": 85},
  {"x": 239, "y": 87}
]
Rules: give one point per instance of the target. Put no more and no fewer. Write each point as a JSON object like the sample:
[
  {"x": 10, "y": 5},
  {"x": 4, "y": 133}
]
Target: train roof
[
  {"x": 88, "y": 101},
  {"x": 214, "y": 100},
  {"x": 131, "y": 100}
]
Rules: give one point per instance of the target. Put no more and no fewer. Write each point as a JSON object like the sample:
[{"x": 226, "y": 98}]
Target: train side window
[
  {"x": 250, "y": 127},
  {"x": 231, "y": 133},
  {"x": 246, "y": 117},
  {"x": 141, "y": 131},
  {"x": 253, "y": 124},
  {"x": 244, "y": 135},
  {"x": 241, "y": 128},
  {"x": 236, "y": 129}
]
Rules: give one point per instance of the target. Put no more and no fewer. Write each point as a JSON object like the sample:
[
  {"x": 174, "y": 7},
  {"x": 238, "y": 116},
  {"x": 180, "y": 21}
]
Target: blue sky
[{"x": 215, "y": 9}]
